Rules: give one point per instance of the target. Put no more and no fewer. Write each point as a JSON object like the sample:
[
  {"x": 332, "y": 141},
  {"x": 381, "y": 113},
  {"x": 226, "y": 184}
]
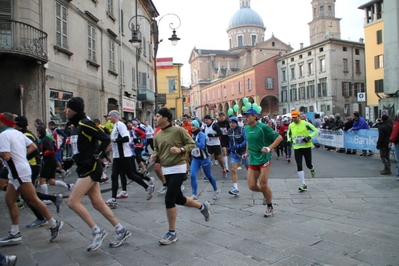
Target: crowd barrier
[{"x": 363, "y": 139}]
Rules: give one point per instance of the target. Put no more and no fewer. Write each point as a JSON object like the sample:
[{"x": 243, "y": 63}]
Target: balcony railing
[
  {"x": 145, "y": 95},
  {"x": 22, "y": 39}
]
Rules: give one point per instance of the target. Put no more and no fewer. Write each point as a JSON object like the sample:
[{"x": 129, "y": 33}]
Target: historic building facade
[
  {"x": 221, "y": 78},
  {"x": 329, "y": 75},
  {"x": 382, "y": 52},
  {"x": 53, "y": 50}
]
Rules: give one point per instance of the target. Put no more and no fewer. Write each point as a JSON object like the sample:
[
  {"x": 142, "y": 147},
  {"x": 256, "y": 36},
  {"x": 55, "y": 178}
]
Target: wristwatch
[{"x": 183, "y": 149}]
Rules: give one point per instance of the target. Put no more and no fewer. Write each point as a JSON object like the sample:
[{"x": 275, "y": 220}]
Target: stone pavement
[{"x": 351, "y": 220}]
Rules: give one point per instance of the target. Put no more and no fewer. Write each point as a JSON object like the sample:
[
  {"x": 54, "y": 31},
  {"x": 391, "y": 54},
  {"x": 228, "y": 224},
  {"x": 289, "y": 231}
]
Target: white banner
[
  {"x": 128, "y": 105},
  {"x": 331, "y": 138}
]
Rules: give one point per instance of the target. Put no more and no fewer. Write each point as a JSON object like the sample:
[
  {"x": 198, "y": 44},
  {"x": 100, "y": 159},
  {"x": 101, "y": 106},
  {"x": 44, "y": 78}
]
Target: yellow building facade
[
  {"x": 169, "y": 84},
  {"x": 373, "y": 34}
]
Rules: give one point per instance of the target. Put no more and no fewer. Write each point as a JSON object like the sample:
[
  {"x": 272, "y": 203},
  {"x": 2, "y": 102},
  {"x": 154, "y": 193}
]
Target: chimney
[
  {"x": 361, "y": 40},
  {"x": 301, "y": 45}
]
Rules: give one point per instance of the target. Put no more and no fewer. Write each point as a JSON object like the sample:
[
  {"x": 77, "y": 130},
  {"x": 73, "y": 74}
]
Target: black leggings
[
  {"x": 125, "y": 164},
  {"x": 139, "y": 159},
  {"x": 173, "y": 194},
  {"x": 305, "y": 152},
  {"x": 150, "y": 142}
]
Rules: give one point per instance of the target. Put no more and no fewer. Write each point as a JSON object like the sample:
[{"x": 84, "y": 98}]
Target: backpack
[
  {"x": 142, "y": 128},
  {"x": 33, "y": 138}
]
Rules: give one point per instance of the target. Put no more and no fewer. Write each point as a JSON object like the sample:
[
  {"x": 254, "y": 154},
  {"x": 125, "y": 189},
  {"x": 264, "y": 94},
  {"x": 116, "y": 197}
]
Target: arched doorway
[{"x": 269, "y": 105}]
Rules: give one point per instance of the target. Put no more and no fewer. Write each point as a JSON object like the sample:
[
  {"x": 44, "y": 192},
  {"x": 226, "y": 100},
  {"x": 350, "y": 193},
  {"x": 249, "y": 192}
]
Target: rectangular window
[
  {"x": 110, "y": 7},
  {"x": 213, "y": 95},
  {"x": 300, "y": 56},
  {"x": 232, "y": 89},
  {"x": 357, "y": 52},
  {"x": 310, "y": 68},
  {"x": 284, "y": 75},
  {"x": 379, "y": 61},
  {"x": 240, "y": 41},
  {"x": 322, "y": 11},
  {"x": 268, "y": 83},
  {"x": 143, "y": 80},
  {"x": 323, "y": 108},
  {"x": 122, "y": 70},
  {"x": 293, "y": 94},
  {"x": 253, "y": 38},
  {"x": 249, "y": 84},
  {"x": 322, "y": 65},
  {"x": 111, "y": 55},
  {"x": 310, "y": 90},
  {"x": 91, "y": 43},
  {"x": 344, "y": 49},
  {"x": 61, "y": 25},
  {"x": 144, "y": 46},
  {"x": 284, "y": 94},
  {"x": 292, "y": 73},
  {"x": 292, "y": 59},
  {"x": 322, "y": 88},
  {"x": 379, "y": 36},
  {"x": 133, "y": 78},
  {"x": 345, "y": 89},
  {"x": 239, "y": 87},
  {"x": 357, "y": 66},
  {"x": 219, "y": 93},
  {"x": 301, "y": 93},
  {"x": 301, "y": 71},
  {"x": 321, "y": 49},
  {"x": 121, "y": 22},
  {"x": 309, "y": 53},
  {"x": 379, "y": 85},
  {"x": 311, "y": 108},
  {"x": 171, "y": 85},
  {"x": 224, "y": 92},
  {"x": 346, "y": 65}
]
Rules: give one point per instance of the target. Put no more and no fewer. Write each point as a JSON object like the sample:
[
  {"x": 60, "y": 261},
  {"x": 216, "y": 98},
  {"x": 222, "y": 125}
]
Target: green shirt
[
  {"x": 296, "y": 133},
  {"x": 259, "y": 136}
]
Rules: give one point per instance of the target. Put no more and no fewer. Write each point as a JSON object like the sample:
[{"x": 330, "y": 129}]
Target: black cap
[
  {"x": 51, "y": 123},
  {"x": 76, "y": 104},
  {"x": 207, "y": 117},
  {"x": 21, "y": 121},
  {"x": 166, "y": 112}
]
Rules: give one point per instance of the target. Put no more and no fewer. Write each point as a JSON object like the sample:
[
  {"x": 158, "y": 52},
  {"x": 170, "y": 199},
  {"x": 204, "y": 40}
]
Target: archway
[{"x": 269, "y": 105}]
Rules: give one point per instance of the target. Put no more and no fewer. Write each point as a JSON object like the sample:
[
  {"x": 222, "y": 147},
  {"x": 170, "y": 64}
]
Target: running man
[
  {"x": 85, "y": 137},
  {"x": 237, "y": 146},
  {"x": 14, "y": 147},
  {"x": 261, "y": 139},
  {"x": 300, "y": 134},
  {"x": 171, "y": 144}
]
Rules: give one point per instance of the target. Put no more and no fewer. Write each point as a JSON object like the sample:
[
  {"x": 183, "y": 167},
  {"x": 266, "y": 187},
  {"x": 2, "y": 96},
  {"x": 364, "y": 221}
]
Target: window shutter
[
  {"x": 5, "y": 9},
  {"x": 319, "y": 90}
]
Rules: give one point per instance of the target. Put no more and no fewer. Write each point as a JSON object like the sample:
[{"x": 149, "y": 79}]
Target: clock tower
[{"x": 324, "y": 24}]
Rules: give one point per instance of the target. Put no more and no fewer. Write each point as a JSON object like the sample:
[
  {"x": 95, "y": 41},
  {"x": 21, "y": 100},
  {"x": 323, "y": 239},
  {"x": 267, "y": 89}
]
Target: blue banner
[{"x": 363, "y": 139}]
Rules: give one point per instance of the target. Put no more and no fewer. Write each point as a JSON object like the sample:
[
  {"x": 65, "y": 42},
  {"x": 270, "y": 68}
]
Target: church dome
[{"x": 245, "y": 17}]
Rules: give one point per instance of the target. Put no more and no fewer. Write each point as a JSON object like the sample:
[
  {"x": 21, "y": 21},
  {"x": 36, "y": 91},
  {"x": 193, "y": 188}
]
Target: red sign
[{"x": 164, "y": 63}]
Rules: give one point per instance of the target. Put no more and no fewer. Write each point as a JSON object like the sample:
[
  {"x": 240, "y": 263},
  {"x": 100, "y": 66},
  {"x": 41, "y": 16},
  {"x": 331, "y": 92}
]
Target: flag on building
[{"x": 164, "y": 63}]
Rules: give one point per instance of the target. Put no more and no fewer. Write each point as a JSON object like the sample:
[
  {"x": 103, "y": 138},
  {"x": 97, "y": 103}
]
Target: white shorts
[{"x": 16, "y": 182}]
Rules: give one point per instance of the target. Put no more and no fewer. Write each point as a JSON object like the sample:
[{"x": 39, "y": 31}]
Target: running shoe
[
  {"x": 38, "y": 223},
  {"x": 234, "y": 192},
  {"x": 120, "y": 238},
  {"x": 104, "y": 179},
  {"x": 224, "y": 174},
  {"x": 63, "y": 174},
  {"x": 206, "y": 211},
  {"x": 289, "y": 160},
  {"x": 112, "y": 203},
  {"x": 194, "y": 197},
  {"x": 313, "y": 173},
  {"x": 68, "y": 173},
  {"x": 216, "y": 194},
  {"x": 269, "y": 212},
  {"x": 11, "y": 260},
  {"x": 169, "y": 238},
  {"x": 303, "y": 188},
  {"x": 122, "y": 195},
  {"x": 215, "y": 162},
  {"x": 370, "y": 154},
  {"x": 162, "y": 190},
  {"x": 20, "y": 205},
  {"x": 97, "y": 240},
  {"x": 145, "y": 173},
  {"x": 152, "y": 182},
  {"x": 150, "y": 190},
  {"x": 57, "y": 202},
  {"x": 47, "y": 202},
  {"x": 70, "y": 187},
  {"x": 11, "y": 238},
  {"x": 55, "y": 231}
]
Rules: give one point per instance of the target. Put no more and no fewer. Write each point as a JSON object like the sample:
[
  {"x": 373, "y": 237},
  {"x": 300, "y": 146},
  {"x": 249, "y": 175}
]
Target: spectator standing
[
  {"x": 384, "y": 133},
  {"x": 394, "y": 139},
  {"x": 360, "y": 123}
]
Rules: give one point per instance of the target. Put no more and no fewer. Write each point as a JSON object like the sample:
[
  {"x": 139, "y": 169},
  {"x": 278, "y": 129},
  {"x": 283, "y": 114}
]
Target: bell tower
[{"x": 324, "y": 24}]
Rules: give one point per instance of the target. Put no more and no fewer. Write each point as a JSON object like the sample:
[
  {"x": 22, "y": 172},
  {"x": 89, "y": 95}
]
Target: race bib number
[
  {"x": 299, "y": 140},
  {"x": 196, "y": 152},
  {"x": 74, "y": 144},
  {"x": 224, "y": 130}
]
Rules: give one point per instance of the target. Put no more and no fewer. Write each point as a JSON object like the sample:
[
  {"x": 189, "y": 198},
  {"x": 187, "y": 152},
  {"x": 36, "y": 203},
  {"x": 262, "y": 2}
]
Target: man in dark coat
[{"x": 384, "y": 132}]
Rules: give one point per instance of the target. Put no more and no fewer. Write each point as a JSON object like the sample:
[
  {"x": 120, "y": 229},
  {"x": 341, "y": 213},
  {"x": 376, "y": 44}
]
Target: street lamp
[{"x": 136, "y": 41}]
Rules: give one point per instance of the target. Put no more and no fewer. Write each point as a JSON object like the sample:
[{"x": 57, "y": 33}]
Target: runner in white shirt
[{"x": 14, "y": 147}]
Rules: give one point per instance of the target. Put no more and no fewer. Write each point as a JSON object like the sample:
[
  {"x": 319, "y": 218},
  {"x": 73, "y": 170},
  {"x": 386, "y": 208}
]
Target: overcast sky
[{"x": 204, "y": 24}]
